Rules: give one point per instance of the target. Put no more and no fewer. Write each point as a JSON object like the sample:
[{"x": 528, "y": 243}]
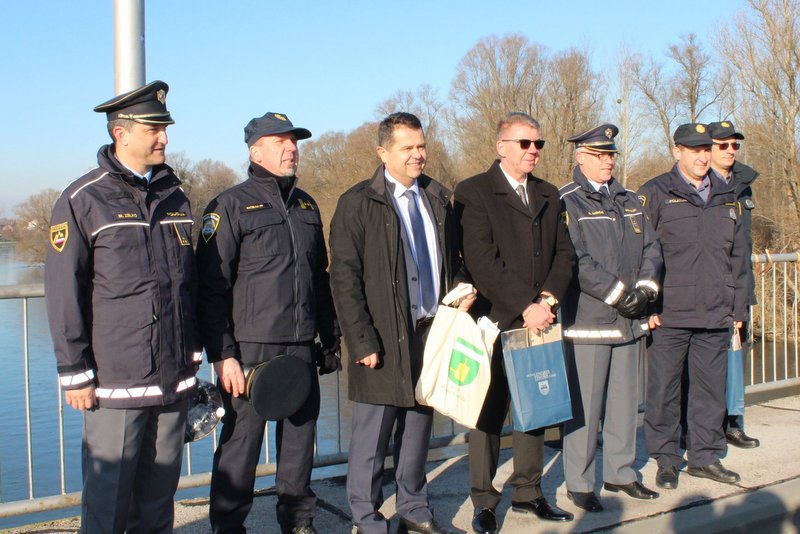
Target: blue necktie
[{"x": 421, "y": 255}]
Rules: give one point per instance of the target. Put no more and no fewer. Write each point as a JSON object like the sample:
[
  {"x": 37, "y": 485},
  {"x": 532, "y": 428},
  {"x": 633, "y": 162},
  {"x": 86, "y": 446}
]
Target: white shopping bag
[{"x": 456, "y": 365}]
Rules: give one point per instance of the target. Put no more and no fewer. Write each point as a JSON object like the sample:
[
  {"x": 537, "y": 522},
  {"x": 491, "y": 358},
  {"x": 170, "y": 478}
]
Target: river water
[
  {"x": 333, "y": 428},
  {"x": 44, "y": 402}
]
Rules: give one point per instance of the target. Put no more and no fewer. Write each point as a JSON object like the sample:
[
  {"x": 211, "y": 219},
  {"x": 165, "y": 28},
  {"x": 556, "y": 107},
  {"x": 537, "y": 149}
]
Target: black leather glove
[
  {"x": 633, "y": 302},
  {"x": 328, "y": 356}
]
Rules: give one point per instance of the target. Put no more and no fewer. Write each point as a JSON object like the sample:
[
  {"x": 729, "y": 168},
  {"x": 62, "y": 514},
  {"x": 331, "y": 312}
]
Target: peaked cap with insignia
[
  {"x": 147, "y": 104},
  {"x": 271, "y": 124},
  {"x": 599, "y": 139},
  {"x": 723, "y": 130},
  {"x": 692, "y": 134}
]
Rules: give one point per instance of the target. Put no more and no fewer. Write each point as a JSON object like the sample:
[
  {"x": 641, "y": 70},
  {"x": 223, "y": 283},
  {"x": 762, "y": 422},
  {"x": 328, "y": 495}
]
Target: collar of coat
[
  {"x": 743, "y": 175},
  {"x": 433, "y": 189},
  {"x": 614, "y": 187},
  {"x": 107, "y": 160},
  {"x": 682, "y": 188},
  {"x": 538, "y": 195}
]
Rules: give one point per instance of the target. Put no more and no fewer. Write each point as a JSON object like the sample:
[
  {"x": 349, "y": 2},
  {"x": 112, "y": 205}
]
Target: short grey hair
[{"x": 516, "y": 117}]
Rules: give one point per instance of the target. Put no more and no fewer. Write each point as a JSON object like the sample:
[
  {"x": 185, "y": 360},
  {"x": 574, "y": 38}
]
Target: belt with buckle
[{"x": 423, "y": 323}]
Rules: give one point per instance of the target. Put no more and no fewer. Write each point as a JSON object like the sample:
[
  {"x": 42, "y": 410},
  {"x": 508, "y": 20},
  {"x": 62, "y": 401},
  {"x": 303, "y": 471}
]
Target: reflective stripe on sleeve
[
  {"x": 186, "y": 384},
  {"x": 613, "y": 297},
  {"x": 592, "y": 334},
  {"x": 77, "y": 379},
  {"x": 649, "y": 283}
]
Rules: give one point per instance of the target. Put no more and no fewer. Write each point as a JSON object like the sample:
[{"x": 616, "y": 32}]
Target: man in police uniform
[
  {"x": 740, "y": 177},
  {"x": 704, "y": 293},
  {"x": 605, "y": 318},
  {"x": 120, "y": 291},
  {"x": 264, "y": 292}
]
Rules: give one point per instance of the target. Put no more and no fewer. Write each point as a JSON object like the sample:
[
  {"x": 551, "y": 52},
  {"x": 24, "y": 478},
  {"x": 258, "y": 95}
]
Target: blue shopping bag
[
  {"x": 537, "y": 377},
  {"x": 734, "y": 387}
]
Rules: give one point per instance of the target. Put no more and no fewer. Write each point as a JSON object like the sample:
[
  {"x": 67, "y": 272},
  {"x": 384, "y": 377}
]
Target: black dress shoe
[
  {"x": 484, "y": 521},
  {"x": 428, "y": 527},
  {"x": 715, "y": 472},
  {"x": 542, "y": 509},
  {"x": 737, "y": 438},
  {"x": 586, "y": 500},
  {"x": 667, "y": 477},
  {"x": 635, "y": 489}
]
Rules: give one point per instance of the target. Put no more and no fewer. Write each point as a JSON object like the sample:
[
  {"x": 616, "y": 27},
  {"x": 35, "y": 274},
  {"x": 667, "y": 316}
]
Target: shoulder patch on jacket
[
  {"x": 58, "y": 236},
  {"x": 210, "y": 224},
  {"x": 643, "y": 199}
]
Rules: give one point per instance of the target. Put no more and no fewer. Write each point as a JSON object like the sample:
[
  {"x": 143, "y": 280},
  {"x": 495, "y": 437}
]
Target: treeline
[{"x": 747, "y": 71}]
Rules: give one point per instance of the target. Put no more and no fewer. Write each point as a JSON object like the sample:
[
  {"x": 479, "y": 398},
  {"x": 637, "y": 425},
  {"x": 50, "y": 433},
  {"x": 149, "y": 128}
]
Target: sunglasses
[
  {"x": 525, "y": 144},
  {"x": 724, "y": 146}
]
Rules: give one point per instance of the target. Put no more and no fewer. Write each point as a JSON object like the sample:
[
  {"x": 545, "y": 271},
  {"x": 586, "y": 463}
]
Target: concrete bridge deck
[{"x": 766, "y": 500}]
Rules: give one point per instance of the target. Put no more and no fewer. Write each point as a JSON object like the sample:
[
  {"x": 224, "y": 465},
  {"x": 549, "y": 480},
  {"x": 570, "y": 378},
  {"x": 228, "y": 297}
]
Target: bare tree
[
  {"x": 32, "y": 230},
  {"x": 762, "y": 46},
  {"x": 628, "y": 110},
  {"x": 695, "y": 85},
  {"x": 201, "y": 181},
  {"x": 572, "y": 91},
  {"x": 332, "y": 163},
  {"x": 498, "y": 75},
  {"x": 653, "y": 84}
]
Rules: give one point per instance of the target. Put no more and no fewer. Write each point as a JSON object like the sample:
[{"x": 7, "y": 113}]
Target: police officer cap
[
  {"x": 271, "y": 124},
  {"x": 723, "y": 130},
  {"x": 599, "y": 139},
  {"x": 146, "y": 104},
  {"x": 692, "y": 134},
  {"x": 279, "y": 387}
]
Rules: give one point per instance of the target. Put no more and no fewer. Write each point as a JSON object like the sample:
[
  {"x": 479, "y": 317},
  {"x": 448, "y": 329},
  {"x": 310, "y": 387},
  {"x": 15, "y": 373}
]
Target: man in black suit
[{"x": 517, "y": 250}]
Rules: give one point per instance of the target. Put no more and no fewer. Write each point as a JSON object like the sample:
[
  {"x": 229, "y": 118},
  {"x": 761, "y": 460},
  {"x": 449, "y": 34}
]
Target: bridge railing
[{"x": 773, "y": 361}]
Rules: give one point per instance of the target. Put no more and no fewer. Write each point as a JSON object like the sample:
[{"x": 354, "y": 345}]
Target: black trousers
[
  {"x": 484, "y": 446},
  {"x": 705, "y": 352},
  {"x": 235, "y": 460}
]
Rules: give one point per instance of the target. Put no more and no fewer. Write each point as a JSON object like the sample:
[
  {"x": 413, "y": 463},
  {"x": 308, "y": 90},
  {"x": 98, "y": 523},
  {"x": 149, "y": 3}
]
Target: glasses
[
  {"x": 724, "y": 146},
  {"x": 525, "y": 144},
  {"x": 604, "y": 156}
]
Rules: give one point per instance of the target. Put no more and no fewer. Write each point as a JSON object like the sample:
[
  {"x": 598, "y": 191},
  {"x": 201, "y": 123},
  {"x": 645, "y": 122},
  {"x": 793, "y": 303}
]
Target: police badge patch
[
  {"x": 58, "y": 236},
  {"x": 210, "y": 224},
  {"x": 643, "y": 200}
]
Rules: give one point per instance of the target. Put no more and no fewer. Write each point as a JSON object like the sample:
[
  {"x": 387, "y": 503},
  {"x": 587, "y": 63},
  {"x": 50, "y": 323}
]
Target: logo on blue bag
[
  {"x": 542, "y": 380},
  {"x": 463, "y": 369}
]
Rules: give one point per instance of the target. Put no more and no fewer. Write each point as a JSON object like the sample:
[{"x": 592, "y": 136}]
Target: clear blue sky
[{"x": 325, "y": 64}]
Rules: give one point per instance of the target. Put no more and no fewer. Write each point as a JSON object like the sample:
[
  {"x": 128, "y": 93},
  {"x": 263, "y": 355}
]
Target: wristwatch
[{"x": 549, "y": 299}]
